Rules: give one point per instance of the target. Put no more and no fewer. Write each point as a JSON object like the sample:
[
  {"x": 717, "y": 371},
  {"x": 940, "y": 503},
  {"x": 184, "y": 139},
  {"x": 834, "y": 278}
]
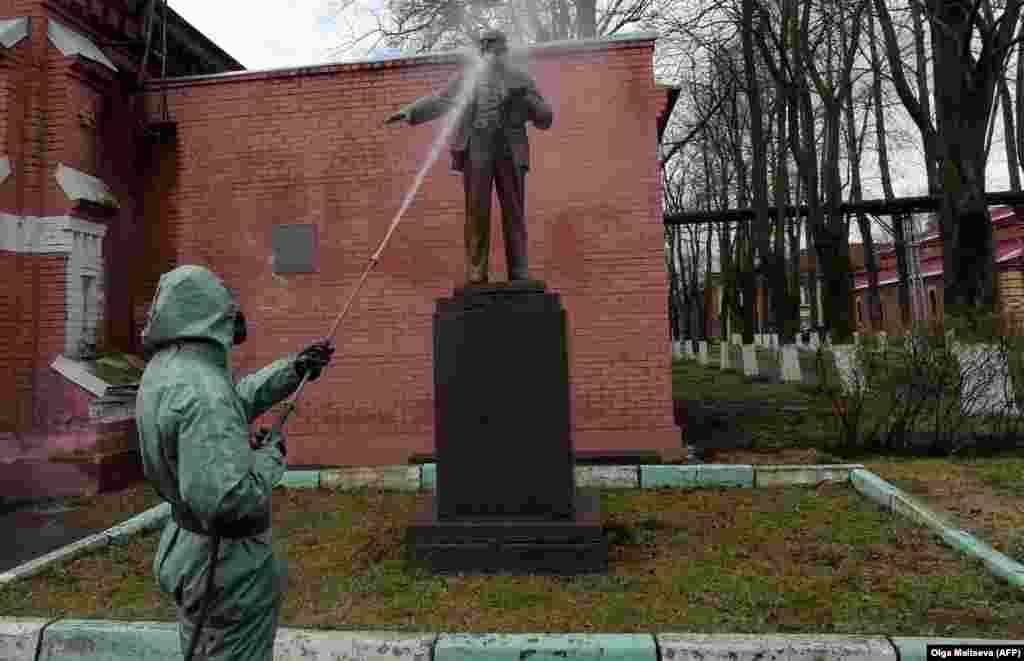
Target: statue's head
[{"x": 493, "y": 42}]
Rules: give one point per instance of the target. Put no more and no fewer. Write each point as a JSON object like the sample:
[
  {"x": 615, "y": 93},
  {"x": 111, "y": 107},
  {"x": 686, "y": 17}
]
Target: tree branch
[{"x": 892, "y": 53}]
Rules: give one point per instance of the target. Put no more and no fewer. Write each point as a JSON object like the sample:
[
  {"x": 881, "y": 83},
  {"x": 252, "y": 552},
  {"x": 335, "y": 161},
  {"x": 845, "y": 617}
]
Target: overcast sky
[{"x": 272, "y": 34}]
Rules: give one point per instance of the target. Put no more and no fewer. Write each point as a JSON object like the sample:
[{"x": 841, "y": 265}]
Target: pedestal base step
[{"x": 510, "y": 544}]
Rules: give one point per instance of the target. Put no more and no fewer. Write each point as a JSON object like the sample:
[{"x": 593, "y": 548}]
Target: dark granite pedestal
[{"x": 505, "y": 493}]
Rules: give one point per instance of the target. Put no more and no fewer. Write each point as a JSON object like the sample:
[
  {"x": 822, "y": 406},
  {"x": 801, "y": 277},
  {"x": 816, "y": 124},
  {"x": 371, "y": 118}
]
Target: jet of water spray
[{"x": 469, "y": 81}]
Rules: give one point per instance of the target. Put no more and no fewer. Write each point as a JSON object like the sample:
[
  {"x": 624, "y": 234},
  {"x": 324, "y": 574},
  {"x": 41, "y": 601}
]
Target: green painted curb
[
  {"x": 890, "y": 497},
  {"x": 873, "y": 486},
  {"x": 915, "y": 649},
  {"x": 657, "y": 477},
  {"x": 97, "y": 640},
  {"x": 428, "y": 476},
  {"x": 725, "y": 475},
  {"x": 545, "y": 647},
  {"x": 300, "y": 480},
  {"x": 997, "y": 563}
]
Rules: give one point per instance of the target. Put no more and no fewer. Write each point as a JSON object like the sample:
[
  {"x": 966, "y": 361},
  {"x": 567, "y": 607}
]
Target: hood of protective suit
[{"x": 191, "y": 303}]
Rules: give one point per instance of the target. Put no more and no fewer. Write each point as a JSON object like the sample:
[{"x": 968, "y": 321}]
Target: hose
[{"x": 204, "y": 612}]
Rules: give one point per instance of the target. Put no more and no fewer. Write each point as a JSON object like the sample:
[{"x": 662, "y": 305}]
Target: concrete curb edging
[
  {"x": 513, "y": 647},
  {"x": 105, "y": 640},
  {"x": 295, "y": 644},
  {"x": 654, "y": 476},
  {"x": 797, "y": 475},
  {"x": 20, "y": 638},
  {"x": 89, "y": 640},
  {"x": 695, "y": 647},
  {"x": 390, "y": 478},
  {"x": 898, "y": 502},
  {"x": 96, "y": 640}
]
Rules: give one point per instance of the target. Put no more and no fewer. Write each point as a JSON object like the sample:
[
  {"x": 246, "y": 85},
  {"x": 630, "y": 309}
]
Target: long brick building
[
  {"x": 103, "y": 186},
  {"x": 1008, "y": 233}
]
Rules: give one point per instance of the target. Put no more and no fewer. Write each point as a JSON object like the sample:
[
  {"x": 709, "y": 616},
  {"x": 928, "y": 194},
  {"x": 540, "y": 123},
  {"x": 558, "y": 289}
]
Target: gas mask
[
  {"x": 241, "y": 330},
  {"x": 493, "y": 45}
]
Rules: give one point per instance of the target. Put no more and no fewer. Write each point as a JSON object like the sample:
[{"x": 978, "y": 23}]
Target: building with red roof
[{"x": 1008, "y": 227}]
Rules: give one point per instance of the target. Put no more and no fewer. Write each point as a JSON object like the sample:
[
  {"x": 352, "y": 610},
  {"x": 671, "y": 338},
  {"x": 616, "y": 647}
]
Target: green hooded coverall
[{"x": 193, "y": 425}]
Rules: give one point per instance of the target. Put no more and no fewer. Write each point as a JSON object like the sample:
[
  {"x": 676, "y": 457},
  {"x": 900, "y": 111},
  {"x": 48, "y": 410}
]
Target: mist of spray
[{"x": 470, "y": 79}]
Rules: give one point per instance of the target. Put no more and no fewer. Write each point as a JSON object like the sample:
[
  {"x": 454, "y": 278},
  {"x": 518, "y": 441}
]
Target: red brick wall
[
  {"x": 42, "y": 95},
  {"x": 13, "y": 364},
  {"x": 14, "y": 64},
  {"x": 309, "y": 146}
]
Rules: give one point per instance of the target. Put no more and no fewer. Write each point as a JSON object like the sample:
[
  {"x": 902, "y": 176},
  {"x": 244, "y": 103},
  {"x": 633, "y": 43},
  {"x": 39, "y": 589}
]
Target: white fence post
[
  {"x": 724, "y": 349},
  {"x": 750, "y": 360},
  {"x": 791, "y": 372}
]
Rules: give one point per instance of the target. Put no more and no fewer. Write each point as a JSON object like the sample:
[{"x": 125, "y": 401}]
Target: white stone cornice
[
  {"x": 12, "y": 230},
  {"x": 13, "y": 31},
  {"x": 70, "y": 42},
  {"x": 82, "y": 242},
  {"x": 54, "y": 234},
  {"x": 5, "y": 168},
  {"x": 81, "y": 186},
  {"x": 85, "y": 227}
]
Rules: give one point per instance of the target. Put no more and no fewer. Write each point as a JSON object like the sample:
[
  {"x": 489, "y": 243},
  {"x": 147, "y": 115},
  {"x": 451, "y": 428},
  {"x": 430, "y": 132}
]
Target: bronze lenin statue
[{"x": 490, "y": 148}]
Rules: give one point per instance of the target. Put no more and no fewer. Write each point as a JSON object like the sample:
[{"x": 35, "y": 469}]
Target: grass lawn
[
  {"x": 731, "y": 561},
  {"x": 983, "y": 495},
  {"x": 739, "y": 560},
  {"x": 771, "y": 421}
]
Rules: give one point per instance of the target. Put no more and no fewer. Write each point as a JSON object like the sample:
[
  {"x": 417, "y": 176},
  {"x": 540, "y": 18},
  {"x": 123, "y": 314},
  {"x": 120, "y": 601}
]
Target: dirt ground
[
  {"x": 960, "y": 492},
  {"x": 782, "y": 457},
  {"x": 956, "y": 489},
  {"x": 739, "y": 560}
]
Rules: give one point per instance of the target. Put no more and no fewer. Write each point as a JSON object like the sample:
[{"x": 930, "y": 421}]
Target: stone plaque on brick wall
[{"x": 294, "y": 248}]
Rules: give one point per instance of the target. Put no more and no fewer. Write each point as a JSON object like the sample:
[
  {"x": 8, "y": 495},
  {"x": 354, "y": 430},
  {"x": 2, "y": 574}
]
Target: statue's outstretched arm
[{"x": 430, "y": 107}]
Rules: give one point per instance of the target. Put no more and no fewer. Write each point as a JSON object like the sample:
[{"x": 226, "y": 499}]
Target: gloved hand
[
  {"x": 314, "y": 358},
  {"x": 262, "y": 438},
  {"x": 400, "y": 116}
]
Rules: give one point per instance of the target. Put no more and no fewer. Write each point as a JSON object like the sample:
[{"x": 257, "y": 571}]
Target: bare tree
[
  {"x": 432, "y": 25},
  {"x": 969, "y": 58},
  {"x": 1006, "y": 101},
  {"x": 923, "y": 95},
  {"x": 881, "y": 142},
  {"x": 854, "y": 147},
  {"x": 801, "y": 61},
  {"x": 759, "y": 234}
]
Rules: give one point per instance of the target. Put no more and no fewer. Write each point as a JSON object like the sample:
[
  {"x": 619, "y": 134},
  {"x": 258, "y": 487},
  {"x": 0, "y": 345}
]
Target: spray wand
[
  {"x": 460, "y": 106},
  {"x": 275, "y": 432},
  {"x": 290, "y": 406},
  {"x": 291, "y": 403}
]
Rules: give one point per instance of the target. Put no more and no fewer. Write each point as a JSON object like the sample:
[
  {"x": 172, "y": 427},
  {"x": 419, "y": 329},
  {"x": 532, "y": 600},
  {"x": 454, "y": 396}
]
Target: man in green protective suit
[{"x": 198, "y": 452}]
